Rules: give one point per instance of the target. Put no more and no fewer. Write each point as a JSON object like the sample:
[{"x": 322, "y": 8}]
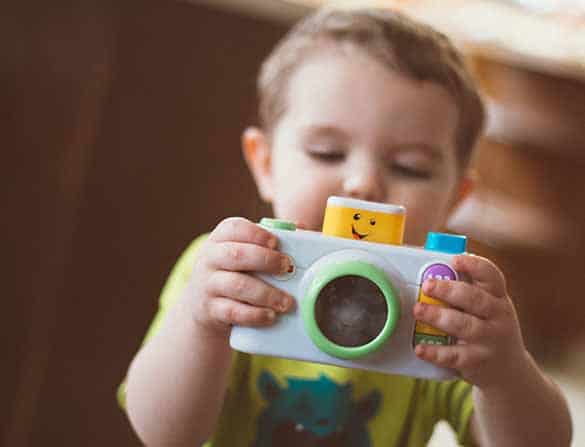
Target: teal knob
[
  {"x": 278, "y": 224},
  {"x": 446, "y": 243}
]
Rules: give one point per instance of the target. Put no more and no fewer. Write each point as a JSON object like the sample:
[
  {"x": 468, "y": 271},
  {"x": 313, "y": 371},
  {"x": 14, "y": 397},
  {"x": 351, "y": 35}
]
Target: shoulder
[
  {"x": 181, "y": 272},
  {"x": 187, "y": 258}
]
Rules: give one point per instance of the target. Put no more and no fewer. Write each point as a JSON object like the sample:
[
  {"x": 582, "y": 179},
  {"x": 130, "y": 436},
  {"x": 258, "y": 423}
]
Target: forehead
[{"x": 355, "y": 92}]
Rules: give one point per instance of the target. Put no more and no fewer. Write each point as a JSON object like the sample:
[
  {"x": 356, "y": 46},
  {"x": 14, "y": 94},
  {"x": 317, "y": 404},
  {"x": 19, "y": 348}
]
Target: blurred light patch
[
  {"x": 501, "y": 222},
  {"x": 568, "y": 7}
]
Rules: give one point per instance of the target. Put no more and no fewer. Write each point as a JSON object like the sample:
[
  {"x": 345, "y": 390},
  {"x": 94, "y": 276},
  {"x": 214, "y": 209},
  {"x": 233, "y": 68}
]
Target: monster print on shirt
[{"x": 313, "y": 413}]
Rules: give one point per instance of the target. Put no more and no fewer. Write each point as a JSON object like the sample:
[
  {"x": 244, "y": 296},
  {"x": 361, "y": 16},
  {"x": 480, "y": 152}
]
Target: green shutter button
[{"x": 278, "y": 224}]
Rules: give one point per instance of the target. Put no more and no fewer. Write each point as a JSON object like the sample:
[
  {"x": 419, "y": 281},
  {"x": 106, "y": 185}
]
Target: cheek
[
  {"x": 301, "y": 200},
  {"x": 425, "y": 213},
  {"x": 301, "y": 190}
]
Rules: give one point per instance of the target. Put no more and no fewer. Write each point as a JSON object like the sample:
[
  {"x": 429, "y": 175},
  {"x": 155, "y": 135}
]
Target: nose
[{"x": 365, "y": 183}]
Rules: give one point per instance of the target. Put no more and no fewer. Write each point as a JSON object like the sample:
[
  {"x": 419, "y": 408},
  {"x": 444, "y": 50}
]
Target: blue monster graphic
[{"x": 313, "y": 413}]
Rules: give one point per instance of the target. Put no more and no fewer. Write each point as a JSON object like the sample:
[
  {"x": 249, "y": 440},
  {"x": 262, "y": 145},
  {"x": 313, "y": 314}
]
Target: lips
[{"x": 357, "y": 235}]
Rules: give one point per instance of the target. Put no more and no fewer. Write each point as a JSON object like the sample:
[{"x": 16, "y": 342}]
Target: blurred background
[{"x": 120, "y": 127}]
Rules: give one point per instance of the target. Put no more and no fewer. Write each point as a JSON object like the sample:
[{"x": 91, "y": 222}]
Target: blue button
[{"x": 446, "y": 243}]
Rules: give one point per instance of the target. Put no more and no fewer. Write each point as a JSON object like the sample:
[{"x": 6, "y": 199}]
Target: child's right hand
[{"x": 223, "y": 292}]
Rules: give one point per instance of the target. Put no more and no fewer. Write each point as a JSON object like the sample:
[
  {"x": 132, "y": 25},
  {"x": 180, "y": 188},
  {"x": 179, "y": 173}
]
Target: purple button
[{"x": 439, "y": 271}]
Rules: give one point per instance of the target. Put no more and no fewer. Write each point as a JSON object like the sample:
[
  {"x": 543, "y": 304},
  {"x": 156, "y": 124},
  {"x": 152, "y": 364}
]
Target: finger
[
  {"x": 464, "y": 326},
  {"x": 236, "y": 256},
  {"x": 470, "y": 298},
  {"x": 231, "y": 312},
  {"x": 246, "y": 288},
  {"x": 463, "y": 357},
  {"x": 238, "y": 229},
  {"x": 483, "y": 273}
]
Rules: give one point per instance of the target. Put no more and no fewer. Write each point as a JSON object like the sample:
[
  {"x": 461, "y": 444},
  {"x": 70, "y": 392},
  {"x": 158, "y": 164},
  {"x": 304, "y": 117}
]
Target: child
[{"x": 363, "y": 104}]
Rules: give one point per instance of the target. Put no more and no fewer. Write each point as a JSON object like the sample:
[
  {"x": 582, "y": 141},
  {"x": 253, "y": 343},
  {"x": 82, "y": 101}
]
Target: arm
[
  {"x": 529, "y": 411},
  {"x": 177, "y": 382},
  {"x": 515, "y": 403}
]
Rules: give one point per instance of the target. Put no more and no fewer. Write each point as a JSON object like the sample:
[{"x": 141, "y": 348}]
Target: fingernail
[
  {"x": 419, "y": 309},
  {"x": 459, "y": 260},
  {"x": 272, "y": 242},
  {"x": 429, "y": 285},
  {"x": 285, "y": 265},
  {"x": 285, "y": 303}
]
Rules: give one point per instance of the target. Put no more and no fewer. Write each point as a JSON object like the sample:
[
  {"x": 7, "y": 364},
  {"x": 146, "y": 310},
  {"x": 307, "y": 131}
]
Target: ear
[
  {"x": 257, "y": 154},
  {"x": 465, "y": 188}
]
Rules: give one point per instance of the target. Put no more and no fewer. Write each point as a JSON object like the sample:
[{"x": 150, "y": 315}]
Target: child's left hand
[{"x": 482, "y": 317}]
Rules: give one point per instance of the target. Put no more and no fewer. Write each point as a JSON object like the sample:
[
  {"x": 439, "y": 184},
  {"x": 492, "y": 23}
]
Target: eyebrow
[
  {"x": 434, "y": 151},
  {"x": 326, "y": 130}
]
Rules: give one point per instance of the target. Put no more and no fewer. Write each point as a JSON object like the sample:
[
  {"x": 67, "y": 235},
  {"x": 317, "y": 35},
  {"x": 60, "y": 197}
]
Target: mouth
[{"x": 357, "y": 235}]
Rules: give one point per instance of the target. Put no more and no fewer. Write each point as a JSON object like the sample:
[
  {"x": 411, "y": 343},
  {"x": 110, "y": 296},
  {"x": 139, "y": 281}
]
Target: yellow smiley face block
[{"x": 366, "y": 221}]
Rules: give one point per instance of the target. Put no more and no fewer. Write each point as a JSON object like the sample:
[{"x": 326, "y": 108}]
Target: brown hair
[{"x": 401, "y": 44}]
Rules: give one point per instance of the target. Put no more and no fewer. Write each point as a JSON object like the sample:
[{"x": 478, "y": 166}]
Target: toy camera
[{"x": 355, "y": 286}]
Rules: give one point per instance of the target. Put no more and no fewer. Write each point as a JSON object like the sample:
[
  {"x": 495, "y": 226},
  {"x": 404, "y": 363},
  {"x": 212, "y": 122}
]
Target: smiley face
[
  {"x": 362, "y": 226},
  {"x": 364, "y": 221}
]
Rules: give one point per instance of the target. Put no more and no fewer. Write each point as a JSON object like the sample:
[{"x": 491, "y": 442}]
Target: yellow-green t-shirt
[{"x": 280, "y": 402}]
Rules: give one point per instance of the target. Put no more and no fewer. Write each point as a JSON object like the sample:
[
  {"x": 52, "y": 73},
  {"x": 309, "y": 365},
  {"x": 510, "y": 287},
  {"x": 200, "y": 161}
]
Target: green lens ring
[{"x": 336, "y": 270}]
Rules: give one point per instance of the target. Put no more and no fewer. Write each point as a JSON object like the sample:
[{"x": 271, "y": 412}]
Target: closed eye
[
  {"x": 327, "y": 157},
  {"x": 407, "y": 171}
]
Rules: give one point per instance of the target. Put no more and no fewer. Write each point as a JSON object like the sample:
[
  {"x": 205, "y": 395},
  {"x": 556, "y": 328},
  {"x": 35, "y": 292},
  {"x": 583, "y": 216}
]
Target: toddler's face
[{"x": 354, "y": 128}]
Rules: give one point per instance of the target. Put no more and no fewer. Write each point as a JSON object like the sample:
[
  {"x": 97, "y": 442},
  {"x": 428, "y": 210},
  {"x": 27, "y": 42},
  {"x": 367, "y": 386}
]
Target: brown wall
[{"x": 120, "y": 125}]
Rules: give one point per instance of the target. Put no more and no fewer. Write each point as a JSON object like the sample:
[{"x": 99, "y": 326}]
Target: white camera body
[{"x": 395, "y": 271}]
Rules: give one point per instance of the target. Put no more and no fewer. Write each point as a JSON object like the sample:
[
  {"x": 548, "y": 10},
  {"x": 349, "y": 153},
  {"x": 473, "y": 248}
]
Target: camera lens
[{"x": 351, "y": 311}]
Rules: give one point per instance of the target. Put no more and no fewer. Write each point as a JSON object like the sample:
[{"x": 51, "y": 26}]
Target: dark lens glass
[{"x": 351, "y": 311}]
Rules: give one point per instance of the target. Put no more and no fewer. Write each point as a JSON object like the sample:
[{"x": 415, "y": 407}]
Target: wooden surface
[
  {"x": 551, "y": 42},
  {"x": 285, "y": 11}
]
